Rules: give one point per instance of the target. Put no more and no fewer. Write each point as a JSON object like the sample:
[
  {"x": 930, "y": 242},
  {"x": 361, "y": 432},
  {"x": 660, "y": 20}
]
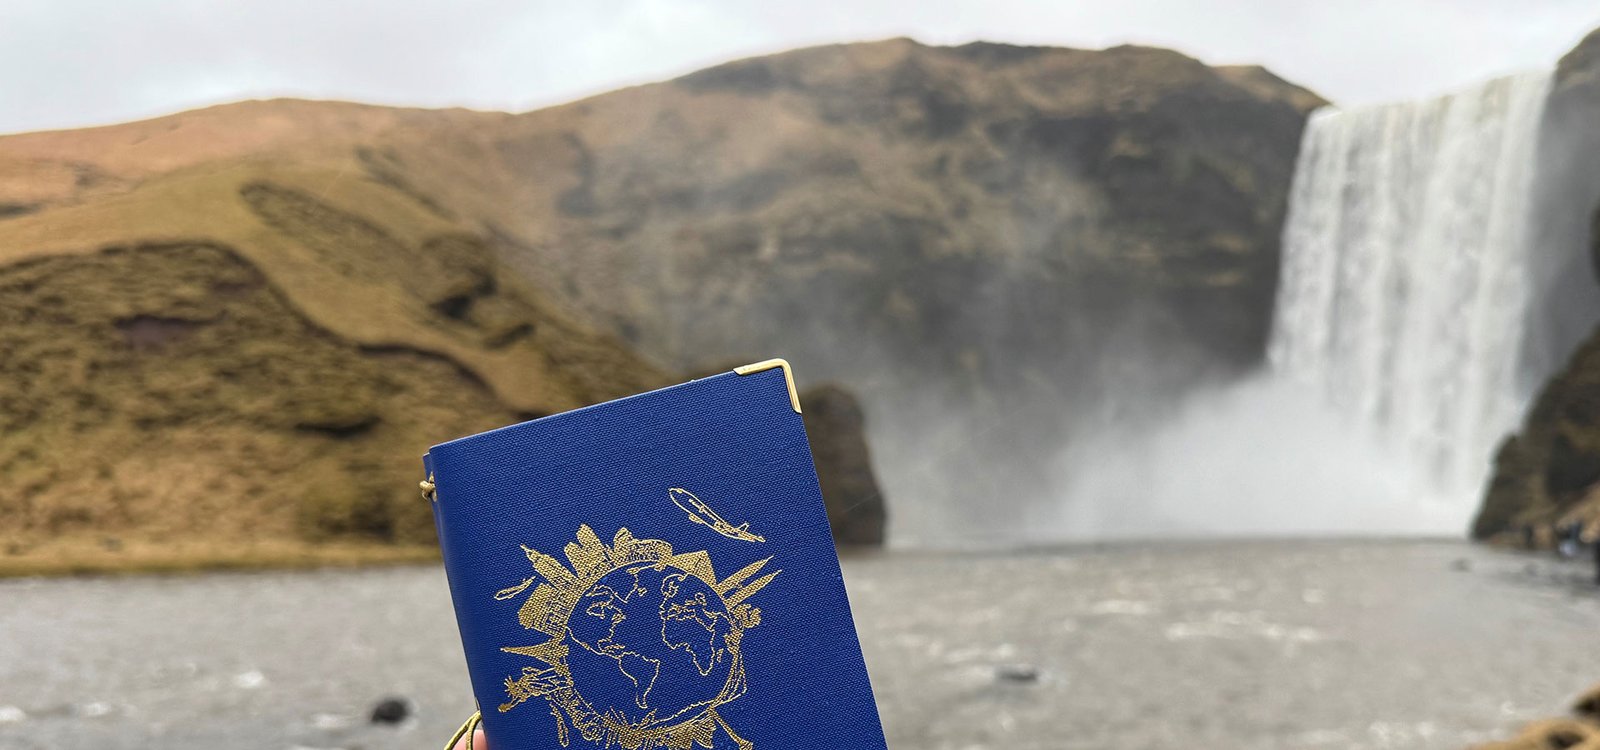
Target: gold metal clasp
[
  {"x": 788, "y": 377},
  {"x": 429, "y": 489}
]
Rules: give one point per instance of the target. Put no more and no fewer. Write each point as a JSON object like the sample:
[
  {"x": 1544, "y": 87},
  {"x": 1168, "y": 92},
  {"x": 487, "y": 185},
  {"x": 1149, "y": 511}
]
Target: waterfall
[
  {"x": 1396, "y": 361},
  {"x": 1405, "y": 279}
]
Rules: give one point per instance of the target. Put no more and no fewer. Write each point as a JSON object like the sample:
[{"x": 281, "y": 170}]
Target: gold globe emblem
[{"x": 641, "y": 644}]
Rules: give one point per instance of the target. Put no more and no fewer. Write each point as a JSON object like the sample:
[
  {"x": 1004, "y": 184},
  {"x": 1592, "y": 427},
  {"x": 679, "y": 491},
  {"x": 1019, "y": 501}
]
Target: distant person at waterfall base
[{"x": 1569, "y": 542}]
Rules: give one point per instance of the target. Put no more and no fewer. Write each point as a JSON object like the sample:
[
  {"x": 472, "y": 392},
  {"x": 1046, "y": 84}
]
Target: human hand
[{"x": 478, "y": 742}]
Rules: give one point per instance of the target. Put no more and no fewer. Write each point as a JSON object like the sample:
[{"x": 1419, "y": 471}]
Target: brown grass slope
[{"x": 238, "y": 361}]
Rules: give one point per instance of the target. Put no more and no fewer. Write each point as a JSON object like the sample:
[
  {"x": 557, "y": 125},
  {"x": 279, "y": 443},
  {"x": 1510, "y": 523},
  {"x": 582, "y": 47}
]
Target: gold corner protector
[{"x": 788, "y": 377}]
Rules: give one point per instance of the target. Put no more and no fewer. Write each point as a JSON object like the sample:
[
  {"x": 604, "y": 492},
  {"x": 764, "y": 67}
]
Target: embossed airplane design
[{"x": 701, "y": 513}]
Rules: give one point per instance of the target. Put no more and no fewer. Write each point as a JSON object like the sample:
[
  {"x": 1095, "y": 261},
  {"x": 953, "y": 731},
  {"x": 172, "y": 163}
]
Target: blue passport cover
[{"x": 653, "y": 572}]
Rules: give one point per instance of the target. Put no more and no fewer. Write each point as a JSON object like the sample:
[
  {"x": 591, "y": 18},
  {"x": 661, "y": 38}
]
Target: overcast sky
[{"x": 66, "y": 63}]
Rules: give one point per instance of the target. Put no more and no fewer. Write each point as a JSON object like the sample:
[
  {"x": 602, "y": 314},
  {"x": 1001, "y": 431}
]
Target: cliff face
[
  {"x": 985, "y": 242},
  {"x": 898, "y": 192},
  {"x": 1574, "y": 110},
  {"x": 1546, "y": 475},
  {"x": 1566, "y": 191},
  {"x": 984, "y": 239}
]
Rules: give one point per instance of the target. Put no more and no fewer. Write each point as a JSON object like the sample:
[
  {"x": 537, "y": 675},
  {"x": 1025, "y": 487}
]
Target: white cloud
[{"x": 75, "y": 62}]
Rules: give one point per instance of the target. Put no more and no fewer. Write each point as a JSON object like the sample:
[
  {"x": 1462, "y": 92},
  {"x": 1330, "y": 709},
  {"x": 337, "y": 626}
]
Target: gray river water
[{"x": 1219, "y": 645}]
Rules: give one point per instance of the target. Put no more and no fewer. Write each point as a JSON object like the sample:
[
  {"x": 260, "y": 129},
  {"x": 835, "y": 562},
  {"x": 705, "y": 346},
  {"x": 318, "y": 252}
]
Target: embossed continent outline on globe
[{"x": 650, "y": 622}]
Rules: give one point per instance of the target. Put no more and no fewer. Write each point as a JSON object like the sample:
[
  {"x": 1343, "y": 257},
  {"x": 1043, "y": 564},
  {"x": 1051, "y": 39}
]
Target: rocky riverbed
[{"x": 1372, "y": 644}]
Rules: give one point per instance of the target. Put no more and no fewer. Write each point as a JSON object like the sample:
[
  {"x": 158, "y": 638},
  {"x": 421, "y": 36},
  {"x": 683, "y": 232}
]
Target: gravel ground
[{"x": 1281, "y": 644}]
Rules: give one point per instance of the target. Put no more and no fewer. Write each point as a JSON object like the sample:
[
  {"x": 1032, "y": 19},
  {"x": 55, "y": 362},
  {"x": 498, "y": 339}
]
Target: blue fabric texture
[{"x": 653, "y": 572}]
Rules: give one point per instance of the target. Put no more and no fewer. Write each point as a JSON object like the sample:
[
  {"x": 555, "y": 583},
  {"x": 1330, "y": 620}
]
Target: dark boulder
[
  {"x": 390, "y": 711},
  {"x": 1021, "y": 674},
  {"x": 837, "y": 430}
]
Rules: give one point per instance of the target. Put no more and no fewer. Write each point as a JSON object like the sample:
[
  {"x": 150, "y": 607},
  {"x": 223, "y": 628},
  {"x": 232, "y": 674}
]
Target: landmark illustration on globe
[{"x": 641, "y": 644}]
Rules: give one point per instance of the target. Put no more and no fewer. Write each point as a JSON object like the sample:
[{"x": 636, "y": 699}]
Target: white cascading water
[
  {"x": 1394, "y": 358},
  {"x": 1405, "y": 274}
]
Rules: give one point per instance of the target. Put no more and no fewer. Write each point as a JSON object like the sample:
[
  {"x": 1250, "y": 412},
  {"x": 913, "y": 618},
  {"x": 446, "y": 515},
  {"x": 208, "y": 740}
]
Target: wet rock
[
  {"x": 1588, "y": 705},
  {"x": 391, "y": 711},
  {"x": 1020, "y": 674}
]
